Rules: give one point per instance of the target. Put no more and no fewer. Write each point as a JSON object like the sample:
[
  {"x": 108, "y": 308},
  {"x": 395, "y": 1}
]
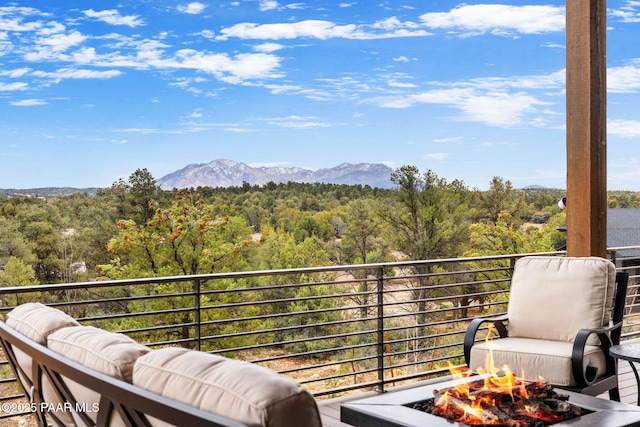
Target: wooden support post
[{"x": 586, "y": 128}]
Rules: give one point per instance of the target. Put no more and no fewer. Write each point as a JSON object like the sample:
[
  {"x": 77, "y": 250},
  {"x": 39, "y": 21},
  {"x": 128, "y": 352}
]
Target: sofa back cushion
[
  {"x": 552, "y": 298},
  {"x": 242, "y": 391},
  {"x": 111, "y": 353},
  {"x": 35, "y": 321}
]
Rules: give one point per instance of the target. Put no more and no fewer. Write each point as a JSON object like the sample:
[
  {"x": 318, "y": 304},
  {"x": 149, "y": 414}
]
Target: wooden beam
[{"x": 586, "y": 128}]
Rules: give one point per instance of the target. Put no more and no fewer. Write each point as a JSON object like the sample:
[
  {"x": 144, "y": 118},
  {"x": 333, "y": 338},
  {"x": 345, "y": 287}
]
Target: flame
[{"x": 473, "y": 406}]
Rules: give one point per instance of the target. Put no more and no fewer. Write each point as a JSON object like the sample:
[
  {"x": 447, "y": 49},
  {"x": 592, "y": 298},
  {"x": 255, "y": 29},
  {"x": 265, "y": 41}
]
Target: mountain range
[{"x": 229, "y": 173}]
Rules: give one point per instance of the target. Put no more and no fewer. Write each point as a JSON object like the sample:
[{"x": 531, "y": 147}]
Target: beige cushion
[
  {"x": 234, "y": 389},
  {"x": 534, "y": 358},
  {"x": 35, "y": 321},
  {"x": 552, "y": 298},
  {"x": 110, "y": 353}
]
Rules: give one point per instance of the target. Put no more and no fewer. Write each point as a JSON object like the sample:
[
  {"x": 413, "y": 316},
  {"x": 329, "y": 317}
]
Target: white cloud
[
  {"x": 319, "y": 29},
  {"x": 8, "y": 87},
  {"x": 498, "y": 19},
  {"x": 395, "y": 83},
  {"x": 393, "y": 23},
  {"x": 312, "y": 28},
  {"x": 624, "y": 128},
  {"x": 74, "y": 73},
  {"x": 192, "y": 8},
  {"x": 207, "y": 34},
  {"x": 268, "y": 5},
  {"x": 627, "y": 13},
  {"x": 28, "y": 103},
  {"x": 624, "y": 79},
  {"x": 296, "y": 122},
  {"x": 10, "y": 22},
  {"x": 51, "y": 28},
  {"x": 553, "y": 45},
  {"x": 233, "y": 70},
  {"x": 268, "y": 47},
  {"x": 448, "y": 140},
  {"x": 237, "y": 130},
  {"x": 494, "y": 108},
  {"x": 113, "y": 17},
  {"x": 15, "y": 73},
  {"x": 54, "y": 46},
  {"x": 436, "y": 156}
]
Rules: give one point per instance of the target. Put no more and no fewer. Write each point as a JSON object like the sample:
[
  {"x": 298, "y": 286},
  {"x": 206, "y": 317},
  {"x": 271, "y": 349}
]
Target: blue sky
[{"x": 90, "y": 91}]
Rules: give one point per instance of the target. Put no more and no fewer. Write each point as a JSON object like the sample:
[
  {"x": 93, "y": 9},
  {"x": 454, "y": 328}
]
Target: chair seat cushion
[
  {"x": 238, "y": 390},
  {"x": 532, "y": 358}
]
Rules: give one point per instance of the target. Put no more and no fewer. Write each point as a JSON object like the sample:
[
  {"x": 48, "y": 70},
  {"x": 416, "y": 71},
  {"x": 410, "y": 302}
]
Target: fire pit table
[{"x": 395, "y": 409}]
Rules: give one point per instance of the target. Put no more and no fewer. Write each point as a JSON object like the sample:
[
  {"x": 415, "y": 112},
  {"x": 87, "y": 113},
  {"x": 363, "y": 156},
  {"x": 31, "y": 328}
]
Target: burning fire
[{"x": 498, "y": 398}]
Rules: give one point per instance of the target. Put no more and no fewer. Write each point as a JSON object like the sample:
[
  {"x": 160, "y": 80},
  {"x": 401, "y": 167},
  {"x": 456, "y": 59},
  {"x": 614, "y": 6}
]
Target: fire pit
[
  {"x": 406, "y": 408},
  {"x": 502, "y": 401}
]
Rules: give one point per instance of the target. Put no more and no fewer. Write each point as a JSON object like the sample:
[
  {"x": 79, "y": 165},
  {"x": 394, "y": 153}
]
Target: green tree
[
  {"x": 143, "y": 191},
  {"x": 184, "y": 239},
  {"x": 429, "y": 220},
  {"x": 501, "y": 197},
  {"x": 362, "y": 243},
  {"x": 17, "y": 273},
  {"x": 507, "y": 237},
  {"x": 13, "y": 243},
  {"x": 42, "y": 225}
]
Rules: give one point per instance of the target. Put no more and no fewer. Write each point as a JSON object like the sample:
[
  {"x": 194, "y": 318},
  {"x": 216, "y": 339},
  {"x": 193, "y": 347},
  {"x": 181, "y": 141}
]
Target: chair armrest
[
  {"x": 585, "y": 377},
  {"x": 472, "y": 329}
]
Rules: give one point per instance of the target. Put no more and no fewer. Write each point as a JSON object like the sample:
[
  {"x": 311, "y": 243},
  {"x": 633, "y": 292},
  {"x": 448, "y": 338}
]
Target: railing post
[
  {"x": 196, "y": 295},
  {"x": 380, "y": 314}
]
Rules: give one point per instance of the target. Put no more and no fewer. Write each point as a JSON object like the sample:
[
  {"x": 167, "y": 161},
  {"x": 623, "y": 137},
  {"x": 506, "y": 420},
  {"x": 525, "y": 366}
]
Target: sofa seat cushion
[
  {"x": 111, "y": 353},
  {"x": 534, "y": 358},
  {"x": 238, "y": 390}
]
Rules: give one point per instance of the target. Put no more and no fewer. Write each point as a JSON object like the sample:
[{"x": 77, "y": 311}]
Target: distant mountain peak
[{"x": 229, "y": 173}]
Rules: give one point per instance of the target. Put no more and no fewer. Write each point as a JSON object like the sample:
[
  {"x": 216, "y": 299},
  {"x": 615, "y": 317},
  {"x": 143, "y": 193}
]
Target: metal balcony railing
[{"x": 333, "y": 329}]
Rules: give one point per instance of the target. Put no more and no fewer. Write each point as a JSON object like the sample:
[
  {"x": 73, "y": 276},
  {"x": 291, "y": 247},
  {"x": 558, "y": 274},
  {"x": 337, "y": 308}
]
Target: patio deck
[{"x": 330, "y": 409}]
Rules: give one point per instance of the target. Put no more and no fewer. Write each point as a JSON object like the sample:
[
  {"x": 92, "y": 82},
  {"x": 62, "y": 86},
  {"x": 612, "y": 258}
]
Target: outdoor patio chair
[{"x": 563, "y": 315}]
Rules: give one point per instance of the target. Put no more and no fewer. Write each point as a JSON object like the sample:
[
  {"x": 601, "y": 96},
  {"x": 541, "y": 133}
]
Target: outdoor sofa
[{"x": 85, "y": 376}]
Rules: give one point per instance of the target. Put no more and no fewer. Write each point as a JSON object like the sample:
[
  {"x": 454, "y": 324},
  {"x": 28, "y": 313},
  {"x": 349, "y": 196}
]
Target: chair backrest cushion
[
  {"x": 552, "y": 298},
  {"x": 235, "y": 389},
  {"x": 111, "y": 353}
]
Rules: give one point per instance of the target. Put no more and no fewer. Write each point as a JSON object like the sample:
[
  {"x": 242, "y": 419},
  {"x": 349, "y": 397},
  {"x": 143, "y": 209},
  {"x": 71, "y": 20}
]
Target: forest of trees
[{"x": 135, "y": 229}]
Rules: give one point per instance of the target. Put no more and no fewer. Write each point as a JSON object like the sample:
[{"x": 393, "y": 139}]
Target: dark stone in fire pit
[{"x": 393, "y": 409}]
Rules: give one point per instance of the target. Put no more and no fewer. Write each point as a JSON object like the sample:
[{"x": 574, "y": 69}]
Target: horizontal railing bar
[
  {"x": 311, "y": 353},
  {"x": 139, "y": 314}
]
